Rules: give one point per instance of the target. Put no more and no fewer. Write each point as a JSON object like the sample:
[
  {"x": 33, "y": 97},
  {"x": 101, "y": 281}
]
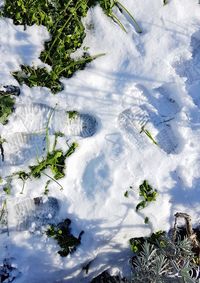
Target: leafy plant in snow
[
  {"x": 63, "y": 21},
  {"x": 55, "y": 161},
  {"x": 62, "y": 234},
  {"x": 147, "y": 193}
]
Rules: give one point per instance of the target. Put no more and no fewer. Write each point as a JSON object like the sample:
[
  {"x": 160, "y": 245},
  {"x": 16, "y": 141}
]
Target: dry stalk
[{"x": 189, "y": 230}]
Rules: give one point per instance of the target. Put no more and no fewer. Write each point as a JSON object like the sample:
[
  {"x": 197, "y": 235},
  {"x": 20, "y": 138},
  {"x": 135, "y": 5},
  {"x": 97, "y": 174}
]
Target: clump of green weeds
[
  {"x": 147, "y": 193},
  {"x": 62, "y": 234},
  {"x": 54, "y": 160},
  {"x": 63, "y": 21},
  {"x": 33, "y": 76}
]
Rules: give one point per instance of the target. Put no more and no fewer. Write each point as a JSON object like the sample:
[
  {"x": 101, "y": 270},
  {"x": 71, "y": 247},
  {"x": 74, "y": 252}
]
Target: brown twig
[{"x": 189, "y": 230}]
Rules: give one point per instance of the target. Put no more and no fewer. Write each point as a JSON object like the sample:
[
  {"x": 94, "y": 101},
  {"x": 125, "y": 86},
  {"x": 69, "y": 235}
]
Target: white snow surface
[{"x": 156, "y": 72}]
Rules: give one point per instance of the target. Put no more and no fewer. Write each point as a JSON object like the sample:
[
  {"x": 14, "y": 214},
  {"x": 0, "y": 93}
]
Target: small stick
[{"x": 190, "y": 232}]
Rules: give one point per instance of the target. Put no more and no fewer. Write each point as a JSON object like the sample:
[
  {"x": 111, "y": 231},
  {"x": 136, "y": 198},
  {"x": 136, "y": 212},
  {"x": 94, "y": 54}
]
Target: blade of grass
[
  {"x": 82, "y": 61},
  {"x": 115, "y": 19},
  {"x": 148, "y": 134},
  {"x": 61, "y": 187},
  {"x": 137, "y": 27}
]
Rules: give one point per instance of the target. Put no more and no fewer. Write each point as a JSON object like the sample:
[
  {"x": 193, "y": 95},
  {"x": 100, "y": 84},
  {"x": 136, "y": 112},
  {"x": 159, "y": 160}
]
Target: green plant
[
  {"x": 62, "y": 234},
  {"x": 156, "y": 238},
  {"x": 55, "y": 160},
  {"x": 7, "y": 103},
  {"x": 147, "y": 193},
  {"x": 172, "y": 263},
  {"x": 63, "y": 21}
]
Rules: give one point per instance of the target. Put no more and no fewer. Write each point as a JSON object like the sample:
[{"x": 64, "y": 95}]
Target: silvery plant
[{"x": 166, "y": 262}]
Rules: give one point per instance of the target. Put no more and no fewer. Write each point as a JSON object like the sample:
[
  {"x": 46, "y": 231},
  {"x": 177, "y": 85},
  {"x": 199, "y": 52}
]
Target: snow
[{"x": 156, "y": 72}]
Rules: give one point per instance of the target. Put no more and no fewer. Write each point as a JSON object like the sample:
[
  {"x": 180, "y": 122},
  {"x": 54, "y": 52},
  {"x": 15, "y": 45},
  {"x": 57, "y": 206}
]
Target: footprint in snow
[
  {"x": 149, "y": 120},
  {"x": 190, "y": 69},
  {"x": 96, "y": 177},
  {"x": 19, "y": 147},
  {"x": 32, "y": 121},
  {"x": 29, "y": 214}
]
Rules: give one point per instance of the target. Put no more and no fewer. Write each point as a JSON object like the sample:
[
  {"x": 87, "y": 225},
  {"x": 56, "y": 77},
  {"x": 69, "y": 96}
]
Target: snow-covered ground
[{"x": 152, "y": 77}]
